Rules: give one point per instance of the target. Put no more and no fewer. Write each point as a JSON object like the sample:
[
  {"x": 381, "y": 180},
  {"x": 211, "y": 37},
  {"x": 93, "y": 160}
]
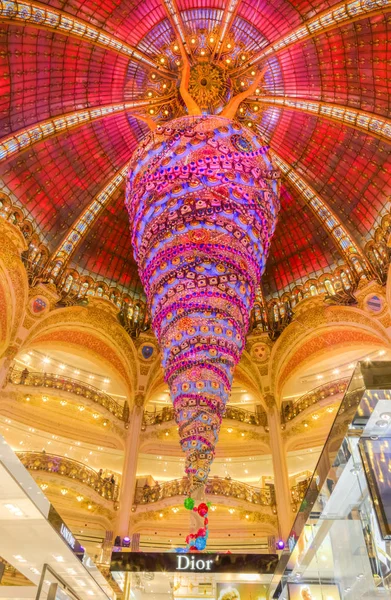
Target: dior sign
[{"x": 185, "y": 563}]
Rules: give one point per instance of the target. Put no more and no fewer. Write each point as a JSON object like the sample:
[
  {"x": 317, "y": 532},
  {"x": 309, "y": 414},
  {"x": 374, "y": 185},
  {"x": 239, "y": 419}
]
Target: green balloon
[
  {"x": 189, "y": 503},
  {"x": 209, "y": 504}
]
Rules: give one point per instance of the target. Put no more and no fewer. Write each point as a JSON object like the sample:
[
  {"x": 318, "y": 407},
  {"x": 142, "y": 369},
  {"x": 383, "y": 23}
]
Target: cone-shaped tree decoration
[{"x": 202, "y": 198}]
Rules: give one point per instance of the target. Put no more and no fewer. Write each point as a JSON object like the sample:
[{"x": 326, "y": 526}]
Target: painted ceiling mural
[{"x": 80, "y": 80}]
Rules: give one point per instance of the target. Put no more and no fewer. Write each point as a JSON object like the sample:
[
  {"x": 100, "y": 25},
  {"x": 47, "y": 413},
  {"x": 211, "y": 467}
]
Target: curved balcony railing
[
  {"x": 72, "y": 469},
  {"x": 298, "y": 492},
  {"x": 293, "y": 409},
  {"x": 73, "y": 386},
  {"x": 216, "y": 486},
  {"x": 232, "y": 412}
]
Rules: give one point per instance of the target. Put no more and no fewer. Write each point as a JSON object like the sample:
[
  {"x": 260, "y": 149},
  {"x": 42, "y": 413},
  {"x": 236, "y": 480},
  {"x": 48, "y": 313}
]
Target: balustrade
[
  {"x": 232, "y": 412},
  {"x": 66, "y": 384},
  {"x": 290, "y": 410},
  {"x": 216, "y": 486},
  {"x": 298, "y": 492},
  {"x": 72, "y": 469}
]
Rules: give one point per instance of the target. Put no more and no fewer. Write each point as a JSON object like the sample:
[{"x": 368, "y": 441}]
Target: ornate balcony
[
  {"x": 292, "y": 409},
  {"x": 216, "y": 486},
  {"x": 72, "y": 386},
  {"x": 72, "y": 469},
  {"x": 232, "y": 412},
  {"x": 298, "y": 492}
]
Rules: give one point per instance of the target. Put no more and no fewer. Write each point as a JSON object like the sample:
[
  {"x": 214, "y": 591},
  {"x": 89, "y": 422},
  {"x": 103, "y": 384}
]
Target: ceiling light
[
  {"x": 45, "y": 398},
  {"x": 243, "y": 57},
  {"x": 336, "y": 372},
  {"x": 351, "y": 366},
  {"x": 59, "y": 558},
  {"x": 229, "y": 46},
  {"x": 382, "y": 352},
  {"x": 162, "y": 60},
  {"x": 256, "y": 108},
  {"x": 89, "y": 506},
  {"x": 202, "y": 52},
  {"x": 63, "y": 402},
  {"x": 64, "y": 491},
  {"x": 43, "y": 486},
  {"x": 20, "y": 558},
  {"x": 34, "y": 570},
  {"x": 257, "y": 91},
  {"x": 161, "y": 515},
  {"x": 176, "y": 48},
  {"x": 79, "y": 498},
  {"x": 193, "y": 40},
  {"x": 76, "y": 372},
  {"x": 106, "y": 380},
  {"x": 62, "y": 367},
  {"x": 231, "y": 511},
  {"x": 46, "y": 360},
  {"x": 91, "y": 377},
  {"x": 14, "y": 510},
  {"x": 230, "y": 430},
  {"x": 319, "y": 377},
  {"x": 228, "y": 60},
  {"x": 253, "y": 73},
  {"x": 242, "y": 83},
  {"x": 211, "y": 40},
  {"x": 164, "y": 86},
  {"x": 153, "y": 76},
  {"x": 247, "y": 516}
]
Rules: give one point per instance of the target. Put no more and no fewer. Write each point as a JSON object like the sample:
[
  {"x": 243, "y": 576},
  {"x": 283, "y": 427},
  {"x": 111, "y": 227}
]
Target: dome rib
[
  {"x": 322, "y": 211},
  {"x": 45, "y": 17},
  {"x": 339, "y": 14},
  {"x": 366, "y": 122},
  {"x": 84, "y": 223},
  {"x": 24, "y": 138}
]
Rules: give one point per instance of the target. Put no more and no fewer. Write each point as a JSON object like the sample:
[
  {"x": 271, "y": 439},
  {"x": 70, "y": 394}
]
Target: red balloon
[
  {"x": 206, "y": 521},
  {"x": 201, "y": 532},
  {"x": 202, "y": 509}
]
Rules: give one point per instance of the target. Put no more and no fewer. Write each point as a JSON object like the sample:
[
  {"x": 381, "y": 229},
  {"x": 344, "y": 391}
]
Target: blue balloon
[
  {"x": 200, "y": 543},
  {"x": 181, "y": 550}
]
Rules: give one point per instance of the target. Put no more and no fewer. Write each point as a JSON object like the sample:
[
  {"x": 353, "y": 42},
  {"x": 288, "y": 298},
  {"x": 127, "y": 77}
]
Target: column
[
  {"x": 281, "y": 477},
  {"x": 5, "y": 364},
  {"x": 128, "y": 483}
]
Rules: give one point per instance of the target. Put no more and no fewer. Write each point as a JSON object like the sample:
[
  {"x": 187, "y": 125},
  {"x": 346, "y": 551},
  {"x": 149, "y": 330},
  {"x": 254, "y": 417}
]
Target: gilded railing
[
  {"x": 216, "y": 486},
  {"x": 292, "y": 409},
  {"x": 298, "y": 492},
  {"x": 72, "y": 469},
  {"x": 66, "y": 384},
  {"x": 232, "y": 412}
]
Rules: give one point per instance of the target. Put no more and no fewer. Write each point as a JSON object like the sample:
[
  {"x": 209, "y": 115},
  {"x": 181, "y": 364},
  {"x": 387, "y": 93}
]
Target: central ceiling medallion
[{"x": 208, "y": 85}]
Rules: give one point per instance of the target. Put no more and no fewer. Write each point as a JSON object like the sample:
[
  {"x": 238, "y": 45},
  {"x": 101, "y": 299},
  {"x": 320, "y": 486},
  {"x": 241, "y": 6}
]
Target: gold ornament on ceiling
[{"x": 208, "y": 85}]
